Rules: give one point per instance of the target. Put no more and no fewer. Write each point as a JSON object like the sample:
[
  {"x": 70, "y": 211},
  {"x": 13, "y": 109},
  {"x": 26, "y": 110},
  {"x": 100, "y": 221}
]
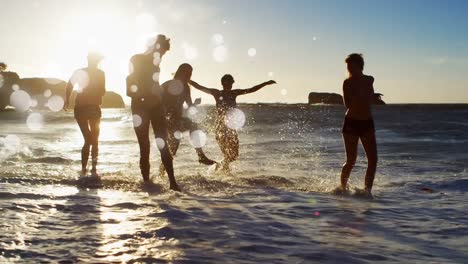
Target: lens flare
[
  {"x": 80, "y": 78},
  {"x": 190, "y": 52},
  {"x": 178, "y": 135},
  {"x": 160, "y": 143},
  {"x": 198, "y": 139},
  {"x": 20, "y": 100},
  {"x": 47, "y": 93},
  {"x": 55, "y": 103},
  {"x": 133, "y": 88},
  {"x": 220, "y": 53},
  {"x": 235, "y": 119},
  {"x": 252, "y": 52},
  {"x": 176, "y": 87},
  {"x": 136, "y": 120},
  {"x": 35, "y": 121},
  {"x": 217, "y": 39}
]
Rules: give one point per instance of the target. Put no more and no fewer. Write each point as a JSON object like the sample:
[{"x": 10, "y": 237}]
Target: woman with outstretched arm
[{"x": 227, "y": 137}]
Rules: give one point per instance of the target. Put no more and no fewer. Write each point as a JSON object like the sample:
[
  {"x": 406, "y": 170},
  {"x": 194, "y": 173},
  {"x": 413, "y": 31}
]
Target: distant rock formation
[
  {"x": 333, "y": 98},
  {"x": 42, "y": 88},
  {"x": 325, "y": 98},
  {"x": 7, "y": 80}
]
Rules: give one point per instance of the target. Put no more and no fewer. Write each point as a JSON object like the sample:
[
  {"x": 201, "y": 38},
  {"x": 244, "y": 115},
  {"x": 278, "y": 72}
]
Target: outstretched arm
[
  {"x": 253, "y": 89},
  {"x": 69, "y": 90},
  {"x": 202, "y": 88}
]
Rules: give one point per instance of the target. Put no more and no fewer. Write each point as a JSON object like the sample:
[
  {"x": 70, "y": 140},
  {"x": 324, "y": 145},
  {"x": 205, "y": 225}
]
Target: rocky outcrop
[
  {"x": 7, "y": 80},
  {"x": 325, "y": 98},
  {"x": 42, "y": 88},
  {"x": 333, "y": 98}
]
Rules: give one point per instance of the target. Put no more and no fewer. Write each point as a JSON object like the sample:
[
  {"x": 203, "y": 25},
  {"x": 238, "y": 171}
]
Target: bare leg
[
  {"x": 95, "y": 129},
  {"x": 370, "y": 147},
  {"x": 351, "y": 144},
  {"x": 142, "y": 133},
  {"x": 84, "y": 127},
  {"x": 160, "y": 129},
  {"x": 228, "y": 141}
]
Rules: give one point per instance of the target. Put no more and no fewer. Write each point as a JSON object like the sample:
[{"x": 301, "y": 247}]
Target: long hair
[{"x": 184, "y": 68}]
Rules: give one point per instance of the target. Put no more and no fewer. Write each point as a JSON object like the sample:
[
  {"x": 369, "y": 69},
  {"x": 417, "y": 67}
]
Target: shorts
[
  {"x": 87, "y": 112},
  {"x": 358, "y": 127}
]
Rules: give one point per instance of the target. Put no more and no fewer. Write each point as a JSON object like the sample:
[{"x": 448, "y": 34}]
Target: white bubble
[
  {"x": 190, "y": 51},
  {"x": 12, "y": 143},
  {"x": 220, "y": 53},
  {"x": 136, "y": 120},
  {"x": 195, "y": 114},
  {"x": 47, "y": 93},
  {"x": 176, "y": 87},
  {"x": 80, "y": 78},
  {"x": 284, "y": 91},
  {"x": 198, "y": 139},
  {"x": 55, "y": 103},
  {"x": 133, "y": 88},
  {"x": 160, "y": 143},
  {"x": 20, "y": 100},
  {"x": 178, "y": 135},
  {"x": 218, "y": 39},
  {"x": 33, "y": 103},
  {"x": 314, "y": 38},
  {"x": 15, "y": 87},
  {"x": 156, "y": 77},
  {"x": 2, "y": 81},
  {"x": 235, "y": 119},
  {"x": 252, "y": 52},
  {"x": 35, "y": 121},
  {"x": 224, "y": 22},
  {"x": 270, "y": 74},
  {"x": 78, "y": 88},
  {"x": 156, "y": 58},
  {"x": 53, "y": 81}
]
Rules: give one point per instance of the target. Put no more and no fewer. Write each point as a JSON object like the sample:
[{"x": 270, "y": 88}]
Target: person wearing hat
[
  {"x": 147, "y": 106},
  {"x": 90, "y": 83}
]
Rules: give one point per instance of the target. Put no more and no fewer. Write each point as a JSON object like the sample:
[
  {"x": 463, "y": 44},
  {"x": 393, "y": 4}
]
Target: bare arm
[
  {"x": 68, "y": 92},
  {"x": 103, "y": 84},
  {"x": 346, "y": 99},
  {"x": 375, "y": 97},
  {"x": 202, "y": 88},
  {"x": 253, "y": 89}
]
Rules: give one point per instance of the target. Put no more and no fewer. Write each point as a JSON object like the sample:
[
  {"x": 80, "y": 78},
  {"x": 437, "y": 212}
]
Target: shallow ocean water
[{"x": 275, "y": 207}]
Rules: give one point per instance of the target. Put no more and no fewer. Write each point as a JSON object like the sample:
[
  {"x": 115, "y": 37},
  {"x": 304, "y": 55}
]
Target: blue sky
[{"x": 417, "y": 50}]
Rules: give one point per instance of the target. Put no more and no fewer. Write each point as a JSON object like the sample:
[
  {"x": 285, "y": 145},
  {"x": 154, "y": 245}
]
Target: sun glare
[{"x": 114, "y": 36}]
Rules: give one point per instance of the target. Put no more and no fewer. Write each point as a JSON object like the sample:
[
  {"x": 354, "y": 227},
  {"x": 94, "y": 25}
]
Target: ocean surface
[{"x": 275, "y": 206}]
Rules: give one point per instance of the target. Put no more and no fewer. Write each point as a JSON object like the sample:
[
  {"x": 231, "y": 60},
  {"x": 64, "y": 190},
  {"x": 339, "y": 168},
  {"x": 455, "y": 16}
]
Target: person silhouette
[
  {"x": 227, "y": 137},
  {"x": 176, "y": 92},
  {"x": 358, "y": 95},
  {"x": 91, "y": 85},
  {"x": 147, "y": 107}
]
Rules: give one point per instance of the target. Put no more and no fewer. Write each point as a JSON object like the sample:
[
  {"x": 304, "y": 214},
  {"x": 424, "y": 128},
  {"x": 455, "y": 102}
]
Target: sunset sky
[{"x": 417, "y": 50}]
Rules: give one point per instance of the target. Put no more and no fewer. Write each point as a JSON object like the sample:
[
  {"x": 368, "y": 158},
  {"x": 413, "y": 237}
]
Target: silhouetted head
[
  {"x": 162, "y": 44},
  {"x": 94, "y": 59},
  {"x": 355, "y": 64},
  {"x": 3, "y": 66},
  {"x": 227, "y": 81},
  {"x": 184, "y": 72}
]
